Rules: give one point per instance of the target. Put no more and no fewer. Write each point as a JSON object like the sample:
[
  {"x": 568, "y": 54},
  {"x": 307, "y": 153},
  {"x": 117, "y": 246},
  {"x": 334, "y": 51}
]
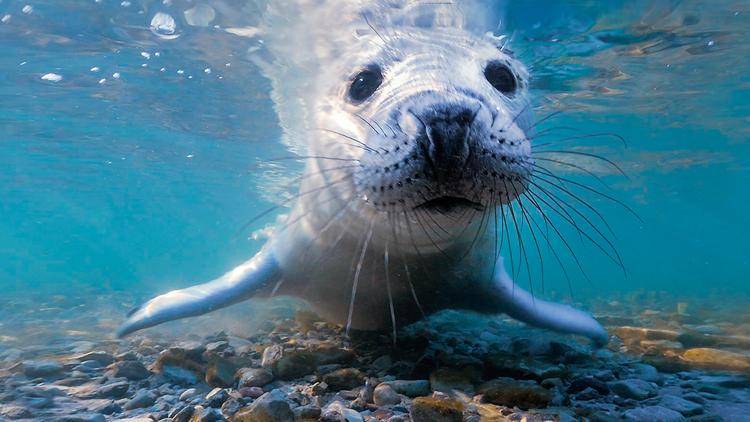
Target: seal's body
[{"x": 416, "y": 135}]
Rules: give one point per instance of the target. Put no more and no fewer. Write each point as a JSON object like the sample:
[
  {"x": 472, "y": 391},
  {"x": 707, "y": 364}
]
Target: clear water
[{"x": 139, "y": 167}]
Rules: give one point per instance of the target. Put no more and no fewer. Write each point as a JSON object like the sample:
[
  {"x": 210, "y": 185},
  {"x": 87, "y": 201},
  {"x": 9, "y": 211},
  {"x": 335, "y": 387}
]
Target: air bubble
[
  {"x": 52, "y": 77},
  {"x": 164, "y": 26}
]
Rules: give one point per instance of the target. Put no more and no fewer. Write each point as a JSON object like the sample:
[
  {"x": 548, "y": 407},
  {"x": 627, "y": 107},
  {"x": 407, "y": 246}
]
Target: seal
[{"x": 415, "y": 131}]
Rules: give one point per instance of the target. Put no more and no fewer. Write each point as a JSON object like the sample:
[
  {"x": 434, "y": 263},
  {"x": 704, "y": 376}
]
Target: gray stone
[
  {"x": 208, "y": 414},
  {"x": 653, "y": 414},
  {"x": 216, "y": 397},
  {"x": 42, "y": 368},
  {"x": 633, "y": 389},
  {"x": 306, "y": 412},
  {"x": 188, "y": 394},
  {"x": 104, "y": 358},
  {"x": 253, "y": 377},
  {"x": 115, "y": 390},
  {"x": 646, "y": 373},
  {"x": 184, "y": 414},
  {"x": 179, "y": 375},
  {"x": 415, "y": 388},
  {"x": 344, "y": 379},
  {"x": 143, "y": 398},
  {"x": 678, "y": 404},
  {"x": 130, "y": 369},
  {"x": 85, "y": 417},
  {"x": 385, "y": 395},
  {"x": 270, "y": 407},
  {"x": 349, "y": 415}
]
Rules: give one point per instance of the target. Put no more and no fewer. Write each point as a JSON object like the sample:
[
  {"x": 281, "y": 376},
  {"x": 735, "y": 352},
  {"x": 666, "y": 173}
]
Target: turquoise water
[{"x": 139, "y": 167}]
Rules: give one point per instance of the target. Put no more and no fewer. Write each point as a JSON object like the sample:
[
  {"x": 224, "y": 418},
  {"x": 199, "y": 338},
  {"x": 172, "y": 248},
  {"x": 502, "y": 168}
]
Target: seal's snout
[{"x": 447, "y": 131}]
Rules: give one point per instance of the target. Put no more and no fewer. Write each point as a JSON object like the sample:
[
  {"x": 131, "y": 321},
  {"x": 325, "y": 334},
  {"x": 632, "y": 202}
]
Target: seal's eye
[
  {"x": 365, "y": 84},
  {"x": 501, "y": 77}
]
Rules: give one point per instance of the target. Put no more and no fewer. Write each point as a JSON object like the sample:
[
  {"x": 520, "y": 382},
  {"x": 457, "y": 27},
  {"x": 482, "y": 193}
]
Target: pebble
[
  {"x": 510, "y": 392},
  {"x": 42, "y": 368},
  {"x": 142, "y": 398},
  {"x": 253, "y": 377},
  {"x": 678, "y": 404},
  {"x": 653, "y": 414},
  {"x": 385, "y": 395},
  {"x": 428, "y": 409},
  {"x": 130, "y": 369},
  {"x": 344, "y": 379},
  {"x": 270, "y": 407},
  {"x": 411, "y": 388},
  {"x": 635, "y": 389}
]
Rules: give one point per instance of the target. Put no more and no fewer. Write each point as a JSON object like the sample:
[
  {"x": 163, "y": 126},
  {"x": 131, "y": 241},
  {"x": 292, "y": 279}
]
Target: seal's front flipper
[
  {"x": 235, "y": 286},
  {"x": 521, "y": 305}
]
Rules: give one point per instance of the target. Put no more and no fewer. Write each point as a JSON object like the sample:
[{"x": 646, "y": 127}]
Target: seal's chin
[{"x": 448, "y": 204}]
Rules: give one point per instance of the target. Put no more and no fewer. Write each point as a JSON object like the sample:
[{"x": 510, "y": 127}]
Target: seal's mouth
[{"x": 446, "y": 204}]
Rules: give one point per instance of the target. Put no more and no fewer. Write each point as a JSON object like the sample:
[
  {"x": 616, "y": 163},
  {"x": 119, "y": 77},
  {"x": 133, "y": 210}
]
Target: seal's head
[{"x": 439, "y": 121}]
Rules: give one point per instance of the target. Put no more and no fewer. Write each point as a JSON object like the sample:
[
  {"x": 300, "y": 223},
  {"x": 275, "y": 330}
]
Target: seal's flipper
[
  {"x": 521, "y": 305},
  {"x": 235, "y": 286}
]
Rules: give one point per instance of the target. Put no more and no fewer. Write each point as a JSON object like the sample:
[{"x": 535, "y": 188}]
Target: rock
[
  {"x": 82, "y": 417},
  {"x": 633, "y": 389},
  {"x": 252, "y": 392},
  {"x": 253, "y": 377},
  {"x": 105, "y": 407},
  {"x": 188, "y": 394},
  {"x": 230, "y": 407},
  {"x": 271, "y": 355},
  {"x": 208, "y": 414},
  {"x": 184, "y": 414},
  {"x": 326, "y": 354},
  {"x": 344, "y": 379},
  {"x": 306, "y": 412},
  {"x": 42, "y": 368},
  {"x": 104, "y": 358},
  {"x": 428, "y": 409},
  {"x": 179, "y": 375},
  {"x": 216, "y": 397},
  {"x": 220, "y": 371},
  {"x": 509, "y": 392},
  {"x": 646, "y": 373},
  {"x": 180, "y": 365},
  {"x": 337, "y": 408},
  {"x": 653, "y": 414},
  {"x": 716, "y": 359},
  {"x": 519, "y": 367},
  {"x": 410, "y": 388},
  {"x": 142, "y": 398},
  {"x": 450, "y": 379},
  {"x": 587, "y": 394},
  {"x": 641, "y": 333},
  {"x": 15, "y": 412},
  {"x": 385, "y": 395},
  {"x": 582, "y": 383},
  {"x": 678, "y": 404},
  {"x": 115, "y": 390},
  {"x": 295, "y": 364},
  {"x": 130, "y": 369},
  {"x": 270, "y": 407}
]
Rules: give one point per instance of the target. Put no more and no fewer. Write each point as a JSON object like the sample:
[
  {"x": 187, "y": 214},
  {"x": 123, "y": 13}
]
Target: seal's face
[{"x": 439, "y": 123}]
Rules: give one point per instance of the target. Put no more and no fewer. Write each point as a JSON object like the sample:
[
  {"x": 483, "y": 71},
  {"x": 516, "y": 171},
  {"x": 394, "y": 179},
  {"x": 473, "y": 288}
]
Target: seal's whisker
[
  {"x": 546, "y": 236},
  {"x": 388, "y": 289},
  {"x": 351, "y": 138},
  {"x": 357, "y": 272},
  {"x": 545, "y": 118},
  {"x": 507, "y": 233},
  {"x": 424, "y": 229},
  {"x": 585, "y": 136},
  {"x": 367, "y": 123},
  {"x": 561, "y": 186},
  {"x": 292, "y": 198},
  {"x": 575, "y": 166},
  {"x": 525, "y": 215},
  {"x": 602, "y": 194},
  {"x": 584, "y": 154},
  {"x": 533, "y": 197},
  {"x": 616, "y": 259},
  {"x": 522, "y": 256},
  {"x": 308, "y": 157}
]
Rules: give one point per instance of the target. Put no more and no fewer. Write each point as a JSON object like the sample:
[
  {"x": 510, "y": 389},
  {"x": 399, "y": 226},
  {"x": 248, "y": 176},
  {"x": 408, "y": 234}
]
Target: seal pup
[{"x": 415, "y": 129}]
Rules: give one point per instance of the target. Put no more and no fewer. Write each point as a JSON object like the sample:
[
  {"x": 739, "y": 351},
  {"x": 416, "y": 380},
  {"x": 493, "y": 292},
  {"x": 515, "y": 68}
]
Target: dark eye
[
  {"x": 501, "y": 77},
  {"x": 365, "y": 84}
]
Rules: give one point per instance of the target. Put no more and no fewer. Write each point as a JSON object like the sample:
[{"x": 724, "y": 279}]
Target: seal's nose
[{"x": 447, "y": 129}]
